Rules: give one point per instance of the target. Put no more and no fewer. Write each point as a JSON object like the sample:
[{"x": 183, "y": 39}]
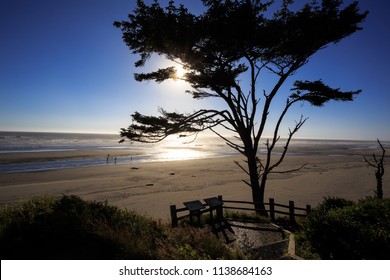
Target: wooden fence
[{"x": 289, "y": 210}]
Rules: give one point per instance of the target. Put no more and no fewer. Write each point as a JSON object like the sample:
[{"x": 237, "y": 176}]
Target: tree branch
[
  {"x": 269, "y": 98},
  {"x": 242, "y": 168},
  {"x": 231, "y": 144},
  {"x": 150, "y": 129},
  {"x": 298, "y": 125},
  {"x": 376, "y": 162},
  {"x": 288, "y": 171}
]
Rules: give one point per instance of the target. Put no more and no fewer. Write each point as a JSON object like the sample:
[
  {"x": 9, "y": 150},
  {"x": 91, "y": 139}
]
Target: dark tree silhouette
[
  {"x": 380, "y": 170},
  {"x": 230, "y": 40}
]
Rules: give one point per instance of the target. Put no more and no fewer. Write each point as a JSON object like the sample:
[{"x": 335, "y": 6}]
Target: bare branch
[
  {"x": 230, "y": 143},
  {"x": 369, "y": 162},
  {"x": 298, "y": 125},
  {"x": 247, "y": 183},
  {"x": 376, "y": 161},
  {"x": 269, "y": 98},
  {"x": 288, "y": 171},
  {"x": 383, "y": 149},
  {"x": 193, "y": 140},
  {"x": 242, "y": 168},
  {"x": 260, "y": 167}
]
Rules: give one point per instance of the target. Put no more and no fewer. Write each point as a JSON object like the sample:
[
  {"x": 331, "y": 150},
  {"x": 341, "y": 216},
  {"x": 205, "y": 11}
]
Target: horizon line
[{"x": 209, "y": 135}]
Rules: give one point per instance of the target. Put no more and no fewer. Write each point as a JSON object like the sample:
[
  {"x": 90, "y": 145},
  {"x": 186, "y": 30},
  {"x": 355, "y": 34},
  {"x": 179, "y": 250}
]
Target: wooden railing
[
  {"x": 273, "y": 208},
  {"x": 199, "y": 208}
]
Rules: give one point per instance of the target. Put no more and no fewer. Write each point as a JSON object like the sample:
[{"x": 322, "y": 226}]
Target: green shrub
[
  {"x": 331, "y": 203},
  {"x": 71, "y": 228},
  {"x": 340, "y": 229}
]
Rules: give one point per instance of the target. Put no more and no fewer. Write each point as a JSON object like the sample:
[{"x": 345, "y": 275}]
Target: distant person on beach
[
  {"x": 115, "y": 161},
  {"x": 108, "y": 158}
]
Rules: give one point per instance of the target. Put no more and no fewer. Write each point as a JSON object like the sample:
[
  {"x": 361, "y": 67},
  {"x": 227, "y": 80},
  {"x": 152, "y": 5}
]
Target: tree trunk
[
  {"x": 379, "y": 189},
  {"x": 257, "y": 189}
]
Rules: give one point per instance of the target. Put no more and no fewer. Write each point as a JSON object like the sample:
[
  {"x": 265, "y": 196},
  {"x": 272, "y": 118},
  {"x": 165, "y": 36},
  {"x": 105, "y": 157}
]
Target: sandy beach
[{"x": 150, "y": 188}]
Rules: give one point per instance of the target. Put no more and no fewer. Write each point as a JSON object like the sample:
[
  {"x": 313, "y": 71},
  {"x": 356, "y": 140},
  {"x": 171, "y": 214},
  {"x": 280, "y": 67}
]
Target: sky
[{"x": 65, "y": 68}]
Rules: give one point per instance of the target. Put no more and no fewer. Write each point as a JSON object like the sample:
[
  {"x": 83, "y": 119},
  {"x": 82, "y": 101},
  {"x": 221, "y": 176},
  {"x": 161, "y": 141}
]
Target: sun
[{"x": 180, "y": 71}]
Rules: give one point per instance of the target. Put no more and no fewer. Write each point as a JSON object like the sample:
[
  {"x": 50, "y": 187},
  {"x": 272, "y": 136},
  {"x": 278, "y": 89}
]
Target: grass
[{"x": 68, "y": 227}]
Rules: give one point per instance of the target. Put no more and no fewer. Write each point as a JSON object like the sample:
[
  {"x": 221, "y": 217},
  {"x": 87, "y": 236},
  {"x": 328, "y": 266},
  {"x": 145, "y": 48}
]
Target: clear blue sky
[{"x": 64, "y": 67}]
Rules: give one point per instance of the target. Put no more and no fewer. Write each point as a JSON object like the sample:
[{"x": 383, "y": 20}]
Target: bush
[
  {"x": 70, "y": 228},
  {"x": 341, "y": 229},
  {"x": 331, "y": 203}
]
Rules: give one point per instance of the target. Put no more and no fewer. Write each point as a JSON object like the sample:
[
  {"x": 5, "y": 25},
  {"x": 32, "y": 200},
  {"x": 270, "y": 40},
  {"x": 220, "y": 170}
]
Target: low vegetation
[
  {"x": 342, "y": 229},
  {"x": 68, "y": 227}
]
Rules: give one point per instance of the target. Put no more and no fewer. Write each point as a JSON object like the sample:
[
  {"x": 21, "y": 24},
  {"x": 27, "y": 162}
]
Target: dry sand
[{"x": 150, "y": 188}]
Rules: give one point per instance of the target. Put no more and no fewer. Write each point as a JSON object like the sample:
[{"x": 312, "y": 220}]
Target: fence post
[
  {"x": 291, "y": 209},
  {"x": 220, "y": 209},
  {"x": 272, "y": 209},
  {"x": 174, "y": 215},
  {"x": 308, "y": 210}
]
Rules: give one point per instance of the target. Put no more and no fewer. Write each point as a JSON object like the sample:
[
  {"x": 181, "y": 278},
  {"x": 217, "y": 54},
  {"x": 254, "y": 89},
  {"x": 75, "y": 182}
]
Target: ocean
[{"x": 37, "y": 143}]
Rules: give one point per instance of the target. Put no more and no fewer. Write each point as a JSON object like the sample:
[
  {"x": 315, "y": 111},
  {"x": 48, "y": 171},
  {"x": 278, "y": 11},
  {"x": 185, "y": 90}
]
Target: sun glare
[
  {"x": 174, "y": 149},
  {"x": 180, "y": 154},
  {"x": 180, "y": 71}
]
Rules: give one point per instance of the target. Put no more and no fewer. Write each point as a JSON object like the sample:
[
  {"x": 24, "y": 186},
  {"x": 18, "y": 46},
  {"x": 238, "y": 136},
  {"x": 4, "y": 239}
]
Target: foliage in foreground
[
  {"x": 71, "y": 228},
  {"x": 342, "y": 229}
]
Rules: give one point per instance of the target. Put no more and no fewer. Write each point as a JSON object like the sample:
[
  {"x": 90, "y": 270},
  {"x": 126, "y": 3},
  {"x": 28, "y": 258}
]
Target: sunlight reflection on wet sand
[{"x": 181, "y": 154}]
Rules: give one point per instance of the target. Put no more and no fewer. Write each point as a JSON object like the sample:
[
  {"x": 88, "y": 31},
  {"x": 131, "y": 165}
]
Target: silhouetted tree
[
  {"x": 380, "y": 170},
  {"x": 231, "y": 39}
]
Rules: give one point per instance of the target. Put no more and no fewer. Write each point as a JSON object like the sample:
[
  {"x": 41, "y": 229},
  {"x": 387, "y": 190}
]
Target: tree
[
  {"x": 380, "y": 170},
  {"x": 231, "y": 39}
]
